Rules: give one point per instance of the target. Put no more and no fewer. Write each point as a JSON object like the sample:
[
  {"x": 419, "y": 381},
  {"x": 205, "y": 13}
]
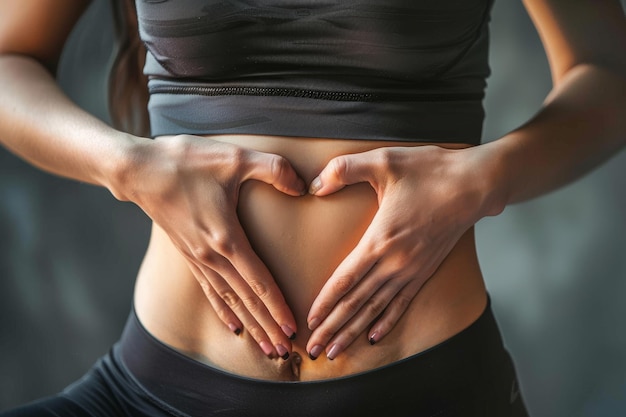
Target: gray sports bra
[{"x": 408, "y": 70}]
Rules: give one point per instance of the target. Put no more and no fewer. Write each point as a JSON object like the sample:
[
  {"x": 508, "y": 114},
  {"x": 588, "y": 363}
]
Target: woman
[{"x": 390, "y": 264}]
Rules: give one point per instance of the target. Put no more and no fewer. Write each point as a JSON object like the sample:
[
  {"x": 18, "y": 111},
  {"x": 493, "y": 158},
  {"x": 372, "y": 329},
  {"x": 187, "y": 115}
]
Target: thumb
[
  {"x": 276, "y": 171},
  {"x": 341, "y": 171}
]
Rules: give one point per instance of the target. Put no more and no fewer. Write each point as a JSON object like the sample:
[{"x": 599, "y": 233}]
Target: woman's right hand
[{"x": 189, "y": 186}]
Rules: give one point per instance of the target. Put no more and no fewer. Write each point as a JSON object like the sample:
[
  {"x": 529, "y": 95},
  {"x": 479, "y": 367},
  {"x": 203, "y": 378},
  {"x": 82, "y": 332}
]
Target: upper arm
[
  {"x": 38, "y": 28},
  {"x": 577, "y": 32}
]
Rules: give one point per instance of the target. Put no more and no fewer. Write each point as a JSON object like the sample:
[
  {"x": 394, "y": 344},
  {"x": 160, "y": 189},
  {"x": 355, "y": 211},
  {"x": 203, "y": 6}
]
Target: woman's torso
[
  {"x": 302, "y": 240},
  {"x": 245, "y": 71}
]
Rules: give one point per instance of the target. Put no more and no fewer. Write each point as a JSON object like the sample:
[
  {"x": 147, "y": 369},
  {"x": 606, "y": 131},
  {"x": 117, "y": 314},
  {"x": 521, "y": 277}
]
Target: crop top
[{"x": 402, "y": 70}]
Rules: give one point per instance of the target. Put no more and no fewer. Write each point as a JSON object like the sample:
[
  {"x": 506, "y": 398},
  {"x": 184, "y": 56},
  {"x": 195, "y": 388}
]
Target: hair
[{"x": 127, "y": 89}]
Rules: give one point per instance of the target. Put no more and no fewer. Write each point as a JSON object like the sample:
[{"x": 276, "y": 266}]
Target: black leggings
[{"x": 470, "y": 374}]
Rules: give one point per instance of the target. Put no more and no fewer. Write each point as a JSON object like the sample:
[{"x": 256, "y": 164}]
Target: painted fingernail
[
  {"x": 315, "y": 186},
  {"x": 313, "y": 323},
  {"x": 267, "y": 348},
  {"x": 233, "y": 328},
  {"x": 373, "y": 338},
  {"x": 315, "y": 352},
  {"x": 333, "y": 352},
  {"x": 288, "y": 331},
  {"x": 282, "y": 352}
]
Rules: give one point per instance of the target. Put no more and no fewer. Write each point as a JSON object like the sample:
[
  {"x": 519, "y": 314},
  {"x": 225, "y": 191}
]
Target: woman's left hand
[{"x": 428, "y": 197}]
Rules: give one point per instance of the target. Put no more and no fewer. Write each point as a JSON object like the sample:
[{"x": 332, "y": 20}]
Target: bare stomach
[{"x": 302, "y": 240}]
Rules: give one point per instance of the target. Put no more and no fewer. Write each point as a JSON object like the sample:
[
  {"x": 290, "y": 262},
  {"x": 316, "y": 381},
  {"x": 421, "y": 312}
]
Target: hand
[
  {"x": 190, "y": 186},
  {"x": 427, "y": 197}
]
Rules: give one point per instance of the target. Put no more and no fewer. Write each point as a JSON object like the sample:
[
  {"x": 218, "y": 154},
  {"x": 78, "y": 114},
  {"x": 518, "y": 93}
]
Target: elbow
[{"x": 7, "y": 55}]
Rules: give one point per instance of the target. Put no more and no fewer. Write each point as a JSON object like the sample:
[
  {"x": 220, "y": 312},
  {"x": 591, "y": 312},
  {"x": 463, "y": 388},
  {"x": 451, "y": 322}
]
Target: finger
[
  {"x": 230, "y": 297},
  {"x": 241, "y": 295},
  {"x": 341, "y": 171},
  {"x": 248, "y": 265},
  {"x": 374, "y": 307},
  {"x": 276, "y": 171},
  {"x": 251, "y": 278},
  {"x": 350, "y": 271},
  {"x": 217, "y": 288},
  {"x": 393, "y": 312},
  {"x": 361, "y": 300},
  {"x": 225, "y": 313},
  {"x": 231, "y": 288}
]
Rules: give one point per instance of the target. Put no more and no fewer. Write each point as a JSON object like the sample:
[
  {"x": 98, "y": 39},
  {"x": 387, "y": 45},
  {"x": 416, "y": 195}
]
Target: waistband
[
  {"x": 204, "y": 110},
  {"x": 469, "y": 371}
]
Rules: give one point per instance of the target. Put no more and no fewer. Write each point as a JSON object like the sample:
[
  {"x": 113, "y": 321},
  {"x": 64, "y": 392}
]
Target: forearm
[
  {"x": 41, "y": 125},
  {"x": 581, "y": 125}
]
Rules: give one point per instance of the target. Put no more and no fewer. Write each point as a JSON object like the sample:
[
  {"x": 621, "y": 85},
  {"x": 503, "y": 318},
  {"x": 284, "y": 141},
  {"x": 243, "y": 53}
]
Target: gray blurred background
[{"x": 555, "y": 267}]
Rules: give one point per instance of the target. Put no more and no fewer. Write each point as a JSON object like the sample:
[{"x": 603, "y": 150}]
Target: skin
[
  {"x": 380, "y": 249},
  {"x": 302, "y": 240}
]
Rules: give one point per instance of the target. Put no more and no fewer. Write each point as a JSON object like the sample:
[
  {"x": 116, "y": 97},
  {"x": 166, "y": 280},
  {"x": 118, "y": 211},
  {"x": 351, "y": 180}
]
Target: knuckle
[
  {"x": 180, "y": 150},
  {"x": 204, "y": 254},
  {"x": 391, "y": 237},
  {"x": 222, "y": 312},
  {"x": 179, "y": 145},
  {"x": 338, "y": 167},
  {"x": 253, "y": 304},
  {"x": 259, "y": 287},
  {"x": 402, "y": 302},
  {"x": 380, "y": 248},
  {"x": 344, "y": 283},
  {"x": 206, "y": 288},
  {"x": 278, "y": 166},
  {"x": 229, "y": 161},
  {"x": 238, "y": 156},
  {"x": 387, "y": 160},
  {"x": 375, "y": 306},
  {"x": 351, "y": 305},
  {"x": 401, "y": 259},
  {"x": 212, "y": 295},
  {"x": 230, "y": 297},
  {"x": 222, "y": 243}
]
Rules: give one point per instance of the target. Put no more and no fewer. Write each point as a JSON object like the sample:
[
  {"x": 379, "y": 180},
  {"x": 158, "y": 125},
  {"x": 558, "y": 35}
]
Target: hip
[{"x": 469, "y": 374}]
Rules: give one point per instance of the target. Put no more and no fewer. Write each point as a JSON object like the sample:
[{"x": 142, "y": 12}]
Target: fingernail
[
  {"x": 282, "y": 352},
  {"x": 233, "y": 328},
  {"x": 315, "y": 186},
  {"x": 315, "y": 351},
  {"x": 333, "y": 352},
  {"x": 267, "y": 348},
  {"x": 288, "y": 331},
  {"x": 314, "y": 323},
  {"x": 373, "y": 338}
]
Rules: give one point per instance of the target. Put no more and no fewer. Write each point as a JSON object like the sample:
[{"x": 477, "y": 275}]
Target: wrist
[
  {"x": 122, "y": 170},
  {"x": 486, "y": 178}
]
